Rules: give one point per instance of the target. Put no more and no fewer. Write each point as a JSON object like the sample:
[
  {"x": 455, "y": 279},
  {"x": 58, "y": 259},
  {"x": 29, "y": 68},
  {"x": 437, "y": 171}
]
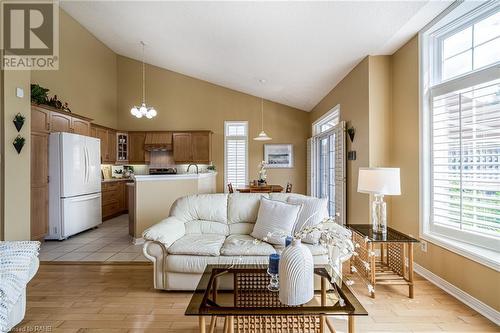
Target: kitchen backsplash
[{"x": 142, "y": 169}]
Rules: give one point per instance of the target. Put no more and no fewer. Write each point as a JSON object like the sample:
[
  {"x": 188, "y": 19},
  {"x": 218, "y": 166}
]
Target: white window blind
[
  {"x": 466, "y": 163},
  {"x": 460, "y": 131},
  {"x": 236, "y": 153}
]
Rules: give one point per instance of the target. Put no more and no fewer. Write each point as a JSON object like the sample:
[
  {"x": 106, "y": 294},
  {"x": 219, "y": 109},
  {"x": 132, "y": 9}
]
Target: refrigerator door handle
[{"x": 86, "y": 164}]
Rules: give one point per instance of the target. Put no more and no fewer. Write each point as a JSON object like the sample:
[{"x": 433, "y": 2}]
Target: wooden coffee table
[{"x": 239, "y": 294}]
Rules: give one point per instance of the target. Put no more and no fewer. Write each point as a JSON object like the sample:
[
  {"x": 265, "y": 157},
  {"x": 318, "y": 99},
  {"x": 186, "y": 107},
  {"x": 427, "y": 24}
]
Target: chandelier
[{"x": 144, "y": 110}]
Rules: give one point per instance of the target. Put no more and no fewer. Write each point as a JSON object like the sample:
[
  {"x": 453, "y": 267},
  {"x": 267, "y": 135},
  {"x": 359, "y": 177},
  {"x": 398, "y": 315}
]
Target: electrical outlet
[{"x": 423, "y": 246}]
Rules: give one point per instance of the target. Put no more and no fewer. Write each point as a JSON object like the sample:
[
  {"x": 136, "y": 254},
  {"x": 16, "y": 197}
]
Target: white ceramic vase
[{"x": 296, "y": 274}]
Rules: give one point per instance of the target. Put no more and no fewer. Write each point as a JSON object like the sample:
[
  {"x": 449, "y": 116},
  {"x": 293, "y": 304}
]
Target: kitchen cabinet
[
  {"x": 192, "y": 147},
  {"x": 136, "y": 152},
  {"x": 114, "y": 198},
  {"x": 39, "y": 185},
  {"x": 40, "y": 120},
  {"x": 182, "y": 147},
  {"x": 122, "y": 148},
  {"x": 108, "y": 143},
  {"x": 46, "y": 119},
  {"x": 60, "y": 122},
  {"x": 201, "y": 146},
  {"x": 80, "y": 126}
]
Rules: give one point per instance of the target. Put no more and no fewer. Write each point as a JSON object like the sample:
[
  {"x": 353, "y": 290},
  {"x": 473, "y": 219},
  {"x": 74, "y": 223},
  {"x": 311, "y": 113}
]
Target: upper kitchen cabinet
[
  {"x": 192, "y": 147},
  {"x": 80, "y": 126},
  {"x": 108, "y": 142},
  {"x": 45, "y": 119},
  {"x": 136, "y": 152},
  {"x": 60, "y": 122},
  {"x": 40, "y": 120}
]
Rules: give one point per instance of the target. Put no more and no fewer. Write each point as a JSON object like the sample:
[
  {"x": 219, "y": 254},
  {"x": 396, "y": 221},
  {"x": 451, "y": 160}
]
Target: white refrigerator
[{"x": 74, "y": 184}]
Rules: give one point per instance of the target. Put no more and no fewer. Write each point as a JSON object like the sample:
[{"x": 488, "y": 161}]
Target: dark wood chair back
[
  {"x": 288, "y": 188},
  {"x": 230, "y": 188}
]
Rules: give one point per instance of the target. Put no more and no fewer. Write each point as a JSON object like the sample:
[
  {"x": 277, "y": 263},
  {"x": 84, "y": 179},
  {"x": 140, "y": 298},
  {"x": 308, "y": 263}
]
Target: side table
[{"x": 394, "y": 266}]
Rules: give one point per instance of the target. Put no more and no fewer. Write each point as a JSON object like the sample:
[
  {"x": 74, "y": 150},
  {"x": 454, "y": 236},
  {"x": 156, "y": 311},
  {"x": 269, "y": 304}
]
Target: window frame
[
  {"x": 226, "y": 137},
  {"x": 332, "y": 114},
  {"x": 430, "y": 39}
]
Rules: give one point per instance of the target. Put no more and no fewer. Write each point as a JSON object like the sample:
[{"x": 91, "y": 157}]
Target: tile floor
[{"x": 109, "y": 242}]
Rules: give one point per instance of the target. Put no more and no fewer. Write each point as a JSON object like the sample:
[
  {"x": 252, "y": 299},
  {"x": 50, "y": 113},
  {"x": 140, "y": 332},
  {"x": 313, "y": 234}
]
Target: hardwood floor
[{"x": 120, "y": 298}]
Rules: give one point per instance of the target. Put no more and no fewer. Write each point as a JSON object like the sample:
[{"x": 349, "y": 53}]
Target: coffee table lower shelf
[{"x": 267, "y": 324}]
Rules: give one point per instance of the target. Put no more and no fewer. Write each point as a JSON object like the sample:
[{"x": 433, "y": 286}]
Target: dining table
[{"x": 268, "y": 188}]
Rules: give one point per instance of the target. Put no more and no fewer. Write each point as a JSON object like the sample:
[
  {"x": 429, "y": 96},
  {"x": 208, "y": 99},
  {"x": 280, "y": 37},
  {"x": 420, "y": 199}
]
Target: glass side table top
[
  {"x": 392, "y": 235},
  {"x": 249, "y": 295}
]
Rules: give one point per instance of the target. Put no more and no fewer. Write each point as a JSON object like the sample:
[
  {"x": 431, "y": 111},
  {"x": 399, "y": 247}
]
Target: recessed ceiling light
[{"x": 262, "y": 81}]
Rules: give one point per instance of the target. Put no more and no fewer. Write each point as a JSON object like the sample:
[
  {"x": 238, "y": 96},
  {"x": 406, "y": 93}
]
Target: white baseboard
[
  {"x": 459, "y": 294},
  {"x": 137, "y": 241}
]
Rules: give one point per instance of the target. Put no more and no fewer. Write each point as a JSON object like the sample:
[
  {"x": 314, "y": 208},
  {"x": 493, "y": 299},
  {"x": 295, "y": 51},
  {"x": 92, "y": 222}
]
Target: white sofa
[
  {"x": 18, "y": 265},
  {"x": 209, "y": 229}
]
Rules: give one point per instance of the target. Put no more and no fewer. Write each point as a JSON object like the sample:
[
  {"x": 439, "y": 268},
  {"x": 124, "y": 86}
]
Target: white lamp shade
[
  {"x": 262, "y": 137},
  {"x": 379, "y": 181}
]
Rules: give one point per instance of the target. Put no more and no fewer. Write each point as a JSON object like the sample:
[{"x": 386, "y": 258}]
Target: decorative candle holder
[
  {"x": 273, "y": 271},
  {"x": 274, "y": 282}
]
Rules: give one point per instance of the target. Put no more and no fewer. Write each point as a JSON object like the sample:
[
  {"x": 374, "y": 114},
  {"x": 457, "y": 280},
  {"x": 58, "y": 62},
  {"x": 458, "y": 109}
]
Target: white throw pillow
[
  {"x": 314, "y": 211},
  {"x": 275, "y": 221}
]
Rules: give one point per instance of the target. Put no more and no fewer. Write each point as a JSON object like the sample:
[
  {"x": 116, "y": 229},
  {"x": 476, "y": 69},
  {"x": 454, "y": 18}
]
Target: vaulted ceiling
[{"x": 300, "y": 49}]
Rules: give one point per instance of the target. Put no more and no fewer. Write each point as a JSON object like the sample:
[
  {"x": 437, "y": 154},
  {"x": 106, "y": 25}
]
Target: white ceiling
[{"x": 301, "y": 49}]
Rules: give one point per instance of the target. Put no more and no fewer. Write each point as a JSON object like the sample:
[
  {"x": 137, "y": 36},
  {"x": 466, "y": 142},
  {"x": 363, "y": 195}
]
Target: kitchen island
[{"x": 151, "y": 196}]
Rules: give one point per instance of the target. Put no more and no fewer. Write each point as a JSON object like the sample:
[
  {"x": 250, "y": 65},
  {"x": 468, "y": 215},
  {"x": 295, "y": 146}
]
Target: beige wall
[
  {"x": 352, "y": 96},
  {"x": 16, "y": 167},
  {"x": 186, "y": 103},
  {"x": 475, "y": 279},
  {"x": 86, "y": 78},
  {"x": 380, "y": 100}
]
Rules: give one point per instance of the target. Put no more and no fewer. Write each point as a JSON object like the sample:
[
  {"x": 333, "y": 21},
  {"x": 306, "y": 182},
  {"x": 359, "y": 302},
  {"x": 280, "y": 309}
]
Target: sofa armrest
[{"x": 166, "y": 231}]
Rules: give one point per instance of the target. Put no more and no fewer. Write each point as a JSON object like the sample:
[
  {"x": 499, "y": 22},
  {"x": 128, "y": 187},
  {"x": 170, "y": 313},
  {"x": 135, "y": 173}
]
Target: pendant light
[
  {"x": 143, "y": 110},
  {"x": 262, "y": 135}
]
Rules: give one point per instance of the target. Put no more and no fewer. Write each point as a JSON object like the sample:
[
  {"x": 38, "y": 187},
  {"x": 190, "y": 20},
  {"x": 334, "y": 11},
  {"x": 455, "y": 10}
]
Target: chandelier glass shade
[{"x": 143, "y": 110}]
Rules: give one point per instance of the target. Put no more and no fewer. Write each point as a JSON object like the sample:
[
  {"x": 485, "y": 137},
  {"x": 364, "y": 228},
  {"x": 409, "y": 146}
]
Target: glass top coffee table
[{"x": 239, "y": 294}]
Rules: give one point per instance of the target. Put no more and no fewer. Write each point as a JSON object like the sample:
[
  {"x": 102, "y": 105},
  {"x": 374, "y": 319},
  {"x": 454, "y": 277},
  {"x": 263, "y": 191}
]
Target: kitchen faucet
[{"x": 189, "y": 166}]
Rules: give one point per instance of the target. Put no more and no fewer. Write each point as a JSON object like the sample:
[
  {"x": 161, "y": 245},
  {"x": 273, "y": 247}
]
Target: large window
[
  {"x": 460, "y": 85},
  {"x": 327, "y": 165},
  {"x": 236, "y": 153}
]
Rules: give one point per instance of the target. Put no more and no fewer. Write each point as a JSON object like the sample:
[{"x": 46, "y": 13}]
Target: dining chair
[
  {"x": 230, "y": 188},
  {"x": 288, "y": 188}
]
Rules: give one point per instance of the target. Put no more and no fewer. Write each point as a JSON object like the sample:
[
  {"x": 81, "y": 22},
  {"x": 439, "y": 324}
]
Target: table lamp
[{"x": 379, "y": 182}]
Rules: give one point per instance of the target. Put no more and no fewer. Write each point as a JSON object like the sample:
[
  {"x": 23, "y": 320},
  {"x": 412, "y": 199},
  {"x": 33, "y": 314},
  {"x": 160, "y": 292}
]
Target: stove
[{"x": 162, "y": 171}]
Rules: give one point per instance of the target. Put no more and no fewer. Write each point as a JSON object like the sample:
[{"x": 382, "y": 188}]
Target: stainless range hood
[{"x": 158, "y": 141}]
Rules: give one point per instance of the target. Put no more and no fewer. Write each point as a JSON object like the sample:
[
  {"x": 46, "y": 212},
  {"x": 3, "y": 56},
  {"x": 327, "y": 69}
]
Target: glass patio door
[{"x": 328, "y": 161}]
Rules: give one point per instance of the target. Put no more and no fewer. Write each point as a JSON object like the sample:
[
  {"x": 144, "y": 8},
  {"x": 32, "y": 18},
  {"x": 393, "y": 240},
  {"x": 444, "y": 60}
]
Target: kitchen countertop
[
  {"x": 178, "y": 176},
  {"x": 111, "y": 180}
]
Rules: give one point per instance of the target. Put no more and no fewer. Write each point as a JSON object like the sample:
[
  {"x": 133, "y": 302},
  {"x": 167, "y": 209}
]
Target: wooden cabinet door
[
  {"x": 111, "y": 146},
  {"x": 182, "y": 147},
  {"x": 102, "y": 134},
  {"x": 201, "y": 147},
  {"x": 80, "y": 126},
  {"x": 136, "y": 152},
  {"x": 40, "y": 120},
  {"x": 93, "y": 131},
  {"x": 60, "y": 122},
  {"x": 39, "y": 185}
]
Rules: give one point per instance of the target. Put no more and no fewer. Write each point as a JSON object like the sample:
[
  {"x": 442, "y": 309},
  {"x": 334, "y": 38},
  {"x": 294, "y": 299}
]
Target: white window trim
[
  {"x": 487, "y": 257},
  {"x": 335, "y": 111},
  {"x": 225, "y": 150}
]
